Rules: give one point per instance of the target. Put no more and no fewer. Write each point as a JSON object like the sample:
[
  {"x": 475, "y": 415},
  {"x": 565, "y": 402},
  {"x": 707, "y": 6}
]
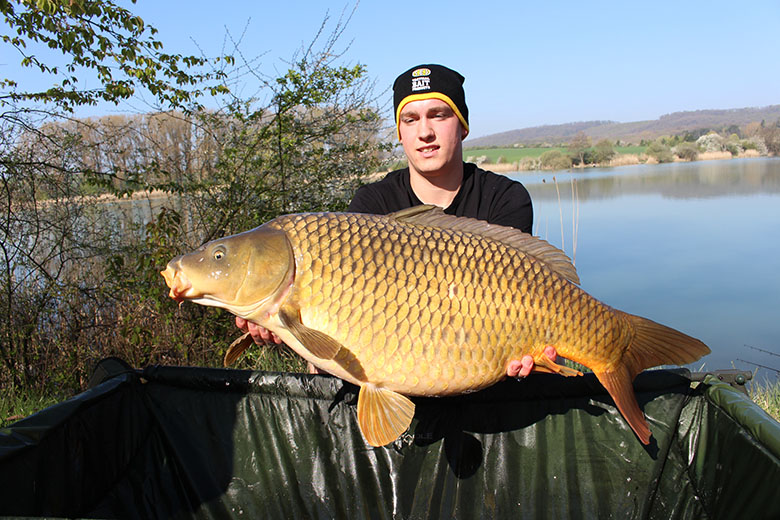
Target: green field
[
  {"x": 517, "y": 154},
  {"x": 631, "y": 149},
  {"x": 509, "y": 154}
]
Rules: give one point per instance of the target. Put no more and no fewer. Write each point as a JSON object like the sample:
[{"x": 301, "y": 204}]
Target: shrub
[
  {"x": 660, "y": 152},
  {"x": 554, "y": 160},
  {"x": 711, "y": 142},
  {"x": 687, "y": 151},
  {"x": 733, "y": 148},
  {"x": 529, "y": 163},
  {"x": 603, "y": 152}
]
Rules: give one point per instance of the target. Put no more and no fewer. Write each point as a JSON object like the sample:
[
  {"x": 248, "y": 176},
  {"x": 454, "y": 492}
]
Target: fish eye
[{"x": 219, "y": 254}]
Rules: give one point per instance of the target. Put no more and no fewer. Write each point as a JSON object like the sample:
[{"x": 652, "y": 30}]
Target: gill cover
[{"x": 240, "y": 271}]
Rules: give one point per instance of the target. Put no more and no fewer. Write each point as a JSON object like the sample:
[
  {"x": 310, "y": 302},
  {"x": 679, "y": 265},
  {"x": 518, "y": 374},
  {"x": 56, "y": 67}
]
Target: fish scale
[
  {"x": 421, "y": 303},
  {"x": 476, "y": 341}
]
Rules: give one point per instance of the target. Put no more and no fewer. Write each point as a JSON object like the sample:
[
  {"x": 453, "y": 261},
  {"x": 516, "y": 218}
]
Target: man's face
[{"x": 431, "y": 135}]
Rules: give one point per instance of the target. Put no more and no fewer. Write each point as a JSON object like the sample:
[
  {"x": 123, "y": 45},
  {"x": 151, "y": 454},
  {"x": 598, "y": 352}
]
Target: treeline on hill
[
  {"x": 723, "y": 121},
  {"x": 753, "y": 139},
  {"x": 92, "y": 209}
]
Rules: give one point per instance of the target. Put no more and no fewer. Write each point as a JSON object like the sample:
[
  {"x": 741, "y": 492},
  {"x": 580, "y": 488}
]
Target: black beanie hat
[{"x": 431, "y": 82}]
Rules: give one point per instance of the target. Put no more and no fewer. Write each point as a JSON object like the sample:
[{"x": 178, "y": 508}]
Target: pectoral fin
[
  {"x": 383, "y": 415},
  {"x": 237, "y": 348},
  {"x": 316, "y": 342}
]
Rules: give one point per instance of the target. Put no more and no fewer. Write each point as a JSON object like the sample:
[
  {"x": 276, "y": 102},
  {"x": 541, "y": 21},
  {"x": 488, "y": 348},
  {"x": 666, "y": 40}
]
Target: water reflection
[
  {"x": 692, "y": 245},
  {"x": 702, "y": 179}
]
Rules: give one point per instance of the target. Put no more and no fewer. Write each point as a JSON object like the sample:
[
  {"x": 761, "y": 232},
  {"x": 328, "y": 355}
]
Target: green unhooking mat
[{"x": 175, "y": 442}]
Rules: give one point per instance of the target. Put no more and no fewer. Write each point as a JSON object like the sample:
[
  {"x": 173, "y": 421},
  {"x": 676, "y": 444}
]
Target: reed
[
  {"x": 622, "y": 159},
  {"x": 560, "y": 212},
  {"x": 575, "y": 218},
  {"x": 711, "y": 156}
]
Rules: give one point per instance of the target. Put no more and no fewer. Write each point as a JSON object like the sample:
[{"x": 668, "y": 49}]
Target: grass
[
  {"x": 516, "y": 154},
  {"x": 270, "y": 358},
  {"x": 509, "y": 154},
  {"x": 767, "y": 396},
  {"x": 17, "y": 404}
]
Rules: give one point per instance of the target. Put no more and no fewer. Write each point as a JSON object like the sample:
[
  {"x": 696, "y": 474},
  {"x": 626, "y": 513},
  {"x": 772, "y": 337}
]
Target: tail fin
[{"x": 652, "y": 344}]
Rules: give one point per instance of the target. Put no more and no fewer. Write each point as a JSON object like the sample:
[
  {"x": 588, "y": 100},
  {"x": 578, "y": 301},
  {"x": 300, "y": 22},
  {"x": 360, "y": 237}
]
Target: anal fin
[{"x": 383, "y": 415}]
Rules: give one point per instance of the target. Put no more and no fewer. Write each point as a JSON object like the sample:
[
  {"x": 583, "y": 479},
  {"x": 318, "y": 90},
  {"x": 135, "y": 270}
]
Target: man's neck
[{"x": 439, "y": 190}]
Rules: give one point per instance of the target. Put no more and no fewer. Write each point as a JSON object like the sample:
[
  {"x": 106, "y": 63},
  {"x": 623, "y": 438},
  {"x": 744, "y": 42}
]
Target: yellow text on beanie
[{"x": 431, "y": 82}]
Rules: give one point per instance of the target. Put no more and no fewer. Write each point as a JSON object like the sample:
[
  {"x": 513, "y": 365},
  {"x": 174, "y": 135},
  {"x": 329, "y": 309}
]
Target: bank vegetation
[
  {"x": 92, "y": 209},
  {"x": 755, "y": 139}
]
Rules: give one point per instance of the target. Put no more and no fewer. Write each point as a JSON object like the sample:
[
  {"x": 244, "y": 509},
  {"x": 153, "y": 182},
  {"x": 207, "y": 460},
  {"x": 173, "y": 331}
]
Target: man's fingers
[
  {"x": 513, "y": 368},
  {"x": 256, "y": 332},
  {"x": 261, "y": 334},
  {"x": 523, "y": 367},
  {"x": 241, "y": 324},
  {"x": 527, "y": 365},
  {"x": 520, "y": 367}
]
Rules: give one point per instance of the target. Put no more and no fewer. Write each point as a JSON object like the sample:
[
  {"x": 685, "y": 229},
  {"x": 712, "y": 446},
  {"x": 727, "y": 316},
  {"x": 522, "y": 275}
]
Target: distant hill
[{"x": 670, "y": 124}]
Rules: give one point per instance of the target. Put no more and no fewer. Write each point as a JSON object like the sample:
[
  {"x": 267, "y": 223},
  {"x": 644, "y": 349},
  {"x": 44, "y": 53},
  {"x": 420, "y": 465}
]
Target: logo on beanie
[{"x": 421, "y": 80}]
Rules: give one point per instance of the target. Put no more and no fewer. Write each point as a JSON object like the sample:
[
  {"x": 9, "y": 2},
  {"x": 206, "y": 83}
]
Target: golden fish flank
[{"x": 422, "y": 303}]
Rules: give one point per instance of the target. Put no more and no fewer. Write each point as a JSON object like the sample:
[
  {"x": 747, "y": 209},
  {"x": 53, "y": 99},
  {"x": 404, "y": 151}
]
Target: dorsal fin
[{"x": 434, "y": 216}]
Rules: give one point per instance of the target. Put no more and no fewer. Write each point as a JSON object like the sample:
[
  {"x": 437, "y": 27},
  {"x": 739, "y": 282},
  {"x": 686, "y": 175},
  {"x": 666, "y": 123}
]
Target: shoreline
[{"x": 618, "y": 160}]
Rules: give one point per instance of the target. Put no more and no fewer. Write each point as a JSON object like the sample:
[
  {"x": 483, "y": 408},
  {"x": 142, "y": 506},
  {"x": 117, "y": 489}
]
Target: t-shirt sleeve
[
  {"x": 366, "y": 201},
  {"x": 513, "y": 208}
]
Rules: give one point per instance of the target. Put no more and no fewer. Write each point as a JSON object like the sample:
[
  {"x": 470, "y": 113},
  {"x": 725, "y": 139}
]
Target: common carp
[{"x": 420, "y": 303}]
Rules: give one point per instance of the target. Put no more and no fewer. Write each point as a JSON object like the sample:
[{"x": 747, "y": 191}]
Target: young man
[{"x": 432, "y": 120}]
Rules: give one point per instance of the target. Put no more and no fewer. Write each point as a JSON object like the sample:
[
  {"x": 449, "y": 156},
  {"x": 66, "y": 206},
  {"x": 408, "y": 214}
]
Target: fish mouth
[{"x": 178, "y": 282}]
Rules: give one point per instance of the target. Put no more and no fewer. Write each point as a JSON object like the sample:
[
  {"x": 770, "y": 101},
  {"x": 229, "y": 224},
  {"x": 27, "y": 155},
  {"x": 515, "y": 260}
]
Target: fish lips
[{"x": 180, "y": 285}]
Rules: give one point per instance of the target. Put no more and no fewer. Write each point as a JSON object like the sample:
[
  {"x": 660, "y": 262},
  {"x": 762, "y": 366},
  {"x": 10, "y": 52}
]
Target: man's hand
[
  {"x": 261, "y": 335},
  {"x": 524, "y": 366}
]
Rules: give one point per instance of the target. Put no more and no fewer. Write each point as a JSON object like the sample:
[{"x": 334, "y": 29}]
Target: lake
[{"x": 695, "y": 246}]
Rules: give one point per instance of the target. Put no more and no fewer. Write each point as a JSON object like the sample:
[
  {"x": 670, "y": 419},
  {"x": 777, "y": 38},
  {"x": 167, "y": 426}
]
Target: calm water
[{"x": 695, "y": 246}]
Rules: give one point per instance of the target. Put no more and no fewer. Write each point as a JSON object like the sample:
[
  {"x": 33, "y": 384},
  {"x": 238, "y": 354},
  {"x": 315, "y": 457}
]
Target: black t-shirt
[{"x": 483, "y": 195}]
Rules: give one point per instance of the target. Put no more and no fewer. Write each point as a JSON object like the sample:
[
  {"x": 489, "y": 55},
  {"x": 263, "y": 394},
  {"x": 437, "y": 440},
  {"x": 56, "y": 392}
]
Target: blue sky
[{"x": 525, "y": 63}]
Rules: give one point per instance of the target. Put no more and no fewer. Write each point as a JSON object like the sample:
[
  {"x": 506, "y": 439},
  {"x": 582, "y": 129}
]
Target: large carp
[{"x": 424, "y": 304}]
